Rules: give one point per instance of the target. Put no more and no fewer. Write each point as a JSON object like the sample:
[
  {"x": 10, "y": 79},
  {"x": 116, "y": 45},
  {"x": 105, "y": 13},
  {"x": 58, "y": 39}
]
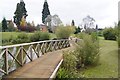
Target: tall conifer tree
[
  {"x": 45, "y": 11},
  {"x": 20, "y": 12},
  {"x": 4, "y": 25},
  {"x": 73, "y": 23}
]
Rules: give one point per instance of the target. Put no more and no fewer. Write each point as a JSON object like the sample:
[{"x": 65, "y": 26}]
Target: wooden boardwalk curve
[
  {"x": 39, "y": 68},
  {"x": 44, "y": 66}
]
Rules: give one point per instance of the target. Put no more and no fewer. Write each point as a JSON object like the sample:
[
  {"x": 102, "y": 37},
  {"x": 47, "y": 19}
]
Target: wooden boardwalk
[{"x": 42, "y": 67}]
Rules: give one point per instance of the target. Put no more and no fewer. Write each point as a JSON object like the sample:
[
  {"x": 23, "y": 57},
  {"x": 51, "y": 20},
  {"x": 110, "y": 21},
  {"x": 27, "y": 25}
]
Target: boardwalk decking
[
  {"x": 44, "y": 67},
  {"x": 39, "y": 68}
]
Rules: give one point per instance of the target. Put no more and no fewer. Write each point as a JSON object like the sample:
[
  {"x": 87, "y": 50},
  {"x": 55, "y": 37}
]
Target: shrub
[
  {"x": 68, "y": 67},
  {"x": 39, "y": 36},
  {"x": 77, "y": 30},
  {"x": 69, "y": 62},
  {"x": 87, "y": 51},
  {"x": 21, "y": 38},
  {"x": 94, "y": 36},
  {"x": 109, "y": 34},
  {"x": 63, "y": 32},
  {"x": 67, "y": 74},
  {"x": 11, "y": 27},
  {"x": 45, "y": 36},
  {"x": 100, "y": 33},
  {"x": 7, "y": 41},
  {"x": 80, "y": 35}
]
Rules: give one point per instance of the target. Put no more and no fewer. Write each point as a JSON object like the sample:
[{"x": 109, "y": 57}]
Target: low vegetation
[
  {"x": 39, "y": 36},
  {"x": 105, "y": 66},
  {"x": 108, "y": 62},
  {"x": 87, "y": 51},
  {"x": 9, "y": 38},
  {"x": 109, "y": 34},
  {"x": 63, "y": 32},
  {"x": 21, "y": 38},
  {"x": 85, "y": 54}
]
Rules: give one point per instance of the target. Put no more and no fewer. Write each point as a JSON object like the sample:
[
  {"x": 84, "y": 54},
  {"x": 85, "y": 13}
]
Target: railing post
[
  {"x": 38, "y": 51},
  {"x": 31, "y": 54},
  {"x": 42, "y": 48},
  {"x": 45, "y": 47},
  {"x": 6, "y": 60},
  {"x": 22, "y": 55}
]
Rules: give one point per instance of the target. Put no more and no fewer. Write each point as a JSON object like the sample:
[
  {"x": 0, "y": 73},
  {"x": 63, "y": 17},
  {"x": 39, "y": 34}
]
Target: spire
[{"x": 21, "y": 1}]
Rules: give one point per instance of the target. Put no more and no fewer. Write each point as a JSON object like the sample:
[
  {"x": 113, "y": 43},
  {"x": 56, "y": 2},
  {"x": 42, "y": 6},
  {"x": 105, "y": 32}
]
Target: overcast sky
[{"x": 105, "y": 12}]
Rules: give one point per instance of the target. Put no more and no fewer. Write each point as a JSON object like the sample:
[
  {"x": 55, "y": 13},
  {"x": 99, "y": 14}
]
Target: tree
[
  {"x": 4, "y": 25},
  {"x": 11, "y": 27},
  {"x": 73, "y": 23},
  {"x": 52, "y": 22},
  {"x": 77, "y": 30},
  {"x": 109, "y": 34},
  {"x": 64, "y": 32},
  {"x": 23, "y": 22},
  {"x": 20, "y": 12},
  {"x": 23, "y": 25},
  {"x": 45, "y": 11},
  {"x": 88, "y": 24}
]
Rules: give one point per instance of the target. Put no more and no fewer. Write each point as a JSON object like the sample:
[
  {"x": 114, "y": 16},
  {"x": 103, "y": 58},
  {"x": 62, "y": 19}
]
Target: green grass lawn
[
  {"x": 6, "y": 35},
  {"x": 108, "y": 64}
]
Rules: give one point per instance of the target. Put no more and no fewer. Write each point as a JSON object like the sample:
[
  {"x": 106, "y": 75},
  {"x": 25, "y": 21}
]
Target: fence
[{"x": 15, "y": 56}]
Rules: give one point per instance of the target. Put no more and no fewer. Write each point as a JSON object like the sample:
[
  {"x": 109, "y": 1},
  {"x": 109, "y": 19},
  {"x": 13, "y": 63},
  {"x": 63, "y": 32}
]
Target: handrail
[
  {"x": 24, "y": 44},
  {"x": 15, "y": 56}
]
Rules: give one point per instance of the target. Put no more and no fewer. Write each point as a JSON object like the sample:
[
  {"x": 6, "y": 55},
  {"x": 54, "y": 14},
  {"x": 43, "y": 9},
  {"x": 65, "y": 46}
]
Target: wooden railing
[{"x": 15, "y": 56}]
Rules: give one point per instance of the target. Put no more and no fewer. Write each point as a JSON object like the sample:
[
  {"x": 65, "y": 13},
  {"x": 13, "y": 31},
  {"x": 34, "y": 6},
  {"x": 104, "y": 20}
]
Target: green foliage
[
  {"x": 94, "y": 36},
  {"x": 87, "y": 51},
  {"x": 66, "y": 74},
  {"x": 4, "y": 25},
  {"x": 77, "y": 30},
  {"x": 90, "y": 30},
  {"x": 100, "y": 33},
  {"x": 80, "y": 35},
  {"x": 7, "y": 41},
  {"x": 8, "y": 38},
  {"x": 39, "y": 36},
  {"x": 69, "y": 61},
  {"x": 21, "y": 38},
  {"x": 109, "y": 34},
  {"x": 63, "y": 32},
  {"x": 63, "y": 73},
  {"x": 108, "y": 63},
  {"x": 68, "y": 67},
  {"x": 11, "y": 27},
  {"x": 45, "y": 11},
  {"x": 19, "y": 13}
]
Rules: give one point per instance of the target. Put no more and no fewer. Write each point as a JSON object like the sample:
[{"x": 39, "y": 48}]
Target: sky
[{"x": 105, "y": 12}]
